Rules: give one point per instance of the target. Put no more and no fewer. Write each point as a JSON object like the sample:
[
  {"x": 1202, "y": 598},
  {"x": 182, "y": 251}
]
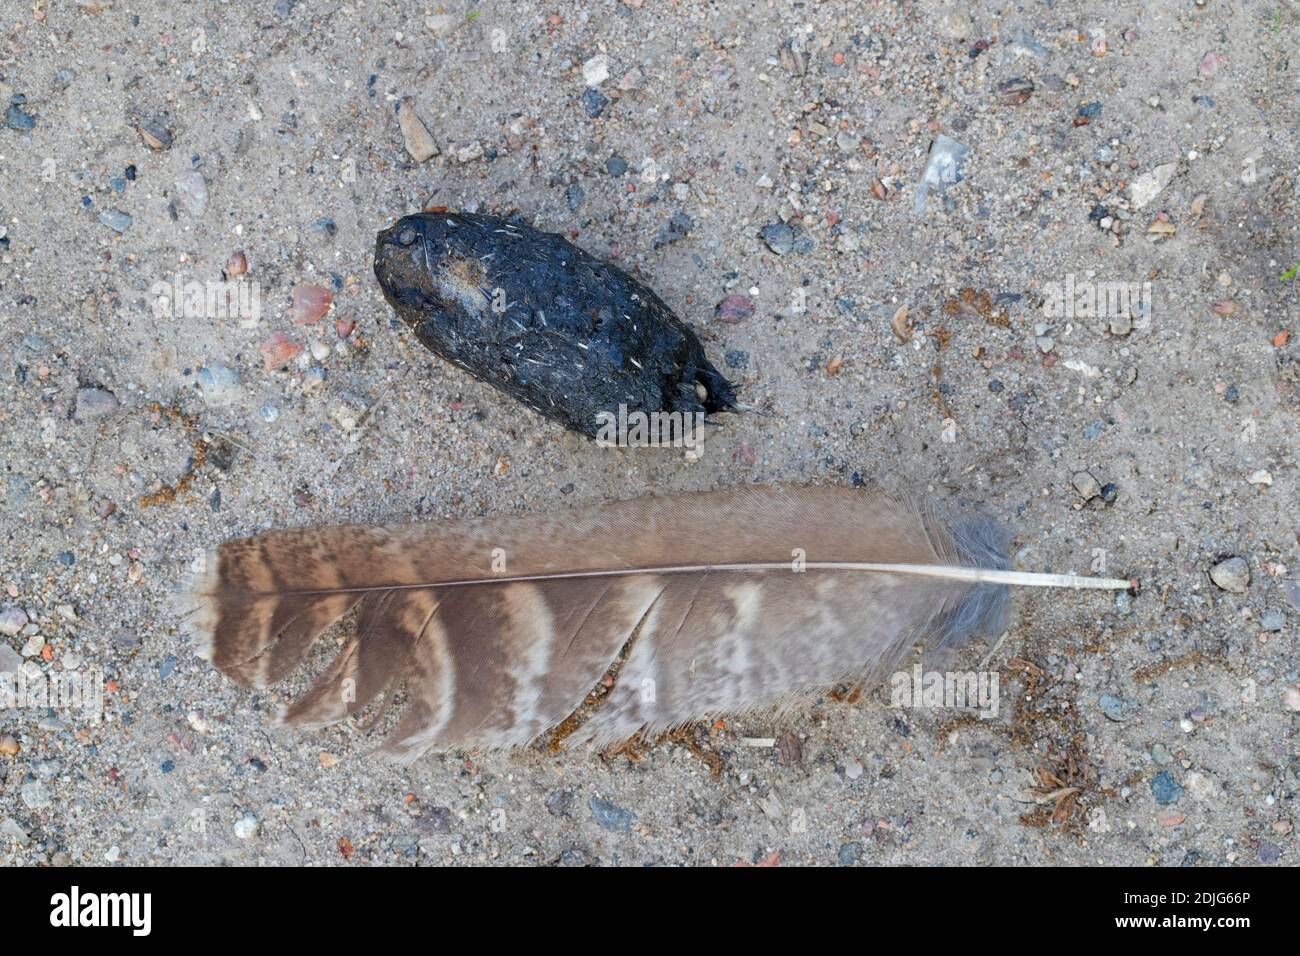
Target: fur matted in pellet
[{"x": 531, "y": 314}]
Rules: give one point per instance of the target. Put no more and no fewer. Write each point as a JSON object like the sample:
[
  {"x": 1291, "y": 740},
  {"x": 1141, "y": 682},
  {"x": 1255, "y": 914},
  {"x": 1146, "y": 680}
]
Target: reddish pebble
[
  {"x": 1171, "y": 818},
  {"x": 1279, "y": 340},
  {"x": 743, "y": 454},
  {"x": 344, "y": 327},
  {"x": 310, "y": 302},
  {"x": 734, "y": 308},
  {"x": 237, "y": 264},
  {"x": 278, "y": 350},
  {"x": 1210, "y": 63}
]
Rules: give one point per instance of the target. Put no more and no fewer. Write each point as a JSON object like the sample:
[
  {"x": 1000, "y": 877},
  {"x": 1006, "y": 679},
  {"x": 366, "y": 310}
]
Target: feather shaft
[{"x": 948, "y": 572}]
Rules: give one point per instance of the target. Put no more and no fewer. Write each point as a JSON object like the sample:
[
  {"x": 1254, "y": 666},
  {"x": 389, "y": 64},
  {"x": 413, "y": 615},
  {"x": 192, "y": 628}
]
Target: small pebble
[
  {"x": 155, "y": 135},
  {"x": 1111, "y": 706},
  {"x": 415, "y": 135},
  {"x": 278, "y": 350},
  {"x": 94, "y": 403},
  {"x": 596, "y": 70},
  {"x": 1086, "y": 485},
  {"x": 674, "y": 229},
  {"x": 1231, "y": 574},
  {"x": 1165, "y": 789},
  {"x": 469, "y": 153},
  {"x": 849, "y": 853},
  {"x": 12, "y": 620},
  {"x": 779, "y": 238},
  {"x": 116, "y": 220},
  {"x": 18, "y": 119},
  {"x": 594, "y": 102},
  {"x": 610, "y": 816},
  {"x": 218, "y": 384},
  {"x": 192, "y": 189},
  {"x": 310, "y": 302},
  {"x": 734, "y": 308},
  {"x": 35, "y": 796}
]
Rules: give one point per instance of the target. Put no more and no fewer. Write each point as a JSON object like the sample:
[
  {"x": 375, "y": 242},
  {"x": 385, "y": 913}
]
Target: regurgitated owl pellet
[{"x": 533, "y": 315}]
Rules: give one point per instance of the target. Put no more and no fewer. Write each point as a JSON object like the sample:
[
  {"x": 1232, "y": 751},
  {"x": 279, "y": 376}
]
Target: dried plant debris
[
  {"x": 526, "y": 311},
  {"x": 975, "y": 303}
]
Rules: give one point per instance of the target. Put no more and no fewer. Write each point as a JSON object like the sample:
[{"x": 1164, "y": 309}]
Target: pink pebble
[
  {"x": 310, "y": 302},
  {"x": 278, "y": 350}
]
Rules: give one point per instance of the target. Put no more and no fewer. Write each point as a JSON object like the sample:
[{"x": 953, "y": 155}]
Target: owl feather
[{"x": 675, "y": 609}]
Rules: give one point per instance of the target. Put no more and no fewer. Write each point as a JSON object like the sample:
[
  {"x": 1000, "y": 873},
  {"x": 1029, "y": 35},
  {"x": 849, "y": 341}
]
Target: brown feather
[{"x": 497, "y": 658}]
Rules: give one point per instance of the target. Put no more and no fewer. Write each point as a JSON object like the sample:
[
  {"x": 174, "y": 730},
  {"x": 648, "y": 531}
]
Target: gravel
[{"x": 795, "y": 140}]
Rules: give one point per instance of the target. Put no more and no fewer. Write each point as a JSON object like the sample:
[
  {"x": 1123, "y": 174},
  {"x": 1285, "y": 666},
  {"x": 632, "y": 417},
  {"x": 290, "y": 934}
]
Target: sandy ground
[{"x": 1108, "y": 143}]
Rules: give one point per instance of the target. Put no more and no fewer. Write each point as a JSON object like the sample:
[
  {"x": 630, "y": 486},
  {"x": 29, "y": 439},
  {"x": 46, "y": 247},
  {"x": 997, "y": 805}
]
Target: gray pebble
[
  {"x": 16, "y": 118},
  {"x": 594, "y": 102},
  {"x": 1272, "y": 620},
  {"x": 573, "y": 857},
  {"x": 779, "y": 237},
  {"x": 12, "y": 832},
  {"x": 559, "y": 802},
  {"x": 674, "y": 229},
  {"x": 193, "y": 191},
  {"x": 12, "y": 620},
  {"x": 35, "y": 796},
  {"x": 94, "y": 403},
  {"x": 156, "y": 134},
  {"x": 1231, "y": 574},
  {"x": 1165, "y": 789},
  {"x": 219, "y": 385},
  {"x": 1111, "y": 706},
  {"x": 610, "y": 816},
  {"x": 1086, "y": 485},
  {"x": 849, "y": 853},
  {"x": 116, "y": 220}
]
